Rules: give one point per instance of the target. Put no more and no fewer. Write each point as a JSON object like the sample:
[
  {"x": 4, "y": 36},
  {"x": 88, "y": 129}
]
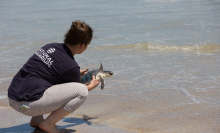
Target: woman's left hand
[{"x": 83, "y": 72}]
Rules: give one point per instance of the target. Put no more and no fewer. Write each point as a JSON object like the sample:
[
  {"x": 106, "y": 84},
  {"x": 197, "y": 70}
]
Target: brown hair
[{"x": 79, "y": 33}]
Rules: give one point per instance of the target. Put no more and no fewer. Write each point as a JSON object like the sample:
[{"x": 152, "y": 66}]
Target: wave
[{"x": 206, "y": 48}]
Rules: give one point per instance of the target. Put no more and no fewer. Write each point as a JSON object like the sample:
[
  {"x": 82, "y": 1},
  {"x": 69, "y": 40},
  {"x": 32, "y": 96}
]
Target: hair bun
[
  {"x": 78, "y": 27},
  {"x": 79, "y": 33}
]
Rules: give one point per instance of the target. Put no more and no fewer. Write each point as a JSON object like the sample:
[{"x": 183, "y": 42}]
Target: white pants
[{"x": 69, "y": 96}]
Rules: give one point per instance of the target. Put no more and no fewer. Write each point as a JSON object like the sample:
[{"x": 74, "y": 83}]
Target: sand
[
  {"x": 105, "y": 114},
  {"x": 15, "y": 122}
]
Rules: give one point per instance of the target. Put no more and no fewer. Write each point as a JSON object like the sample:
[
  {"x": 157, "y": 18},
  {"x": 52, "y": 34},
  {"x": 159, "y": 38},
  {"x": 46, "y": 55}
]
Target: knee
[{"x": 84, "y": 92}]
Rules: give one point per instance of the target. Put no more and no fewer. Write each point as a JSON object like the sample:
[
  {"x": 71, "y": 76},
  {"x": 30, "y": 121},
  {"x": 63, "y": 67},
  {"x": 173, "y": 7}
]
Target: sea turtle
[{"x": 99, "y": 75}]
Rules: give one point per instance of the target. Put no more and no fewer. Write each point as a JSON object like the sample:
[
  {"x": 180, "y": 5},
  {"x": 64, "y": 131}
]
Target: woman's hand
[
  {"x": 83, "y": 72},
  {"x": 94, "y": 83}
]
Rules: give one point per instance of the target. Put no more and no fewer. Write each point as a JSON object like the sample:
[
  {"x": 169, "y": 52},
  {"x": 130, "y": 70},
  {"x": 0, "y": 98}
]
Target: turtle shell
[{"x": 85, "y": 79}]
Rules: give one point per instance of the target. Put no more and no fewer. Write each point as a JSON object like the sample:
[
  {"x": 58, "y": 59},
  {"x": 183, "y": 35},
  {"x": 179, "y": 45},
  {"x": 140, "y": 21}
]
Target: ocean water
[{"x": 165, "y": 55}]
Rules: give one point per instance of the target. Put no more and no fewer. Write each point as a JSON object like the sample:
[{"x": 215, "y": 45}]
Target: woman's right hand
[{"x": 93, "y": 84}]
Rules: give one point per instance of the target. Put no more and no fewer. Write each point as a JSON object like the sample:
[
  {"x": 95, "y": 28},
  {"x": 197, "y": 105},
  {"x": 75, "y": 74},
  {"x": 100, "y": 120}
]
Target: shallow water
[{"x": 165, "y": 55}]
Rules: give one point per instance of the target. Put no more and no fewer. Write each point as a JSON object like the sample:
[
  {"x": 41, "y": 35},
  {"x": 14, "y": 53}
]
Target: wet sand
[
  {"x": 154, "y": 115},
  {"x": 14, "y": 122},
  {"x": 100, "y": 115}
]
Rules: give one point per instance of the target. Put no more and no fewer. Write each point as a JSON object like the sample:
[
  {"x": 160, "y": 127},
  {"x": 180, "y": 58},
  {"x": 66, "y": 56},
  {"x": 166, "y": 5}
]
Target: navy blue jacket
[{"x": 52, "y": 64}]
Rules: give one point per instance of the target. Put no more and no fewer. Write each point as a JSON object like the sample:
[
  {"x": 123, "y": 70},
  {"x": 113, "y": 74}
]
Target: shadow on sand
[{"x": 65, "y": 123}]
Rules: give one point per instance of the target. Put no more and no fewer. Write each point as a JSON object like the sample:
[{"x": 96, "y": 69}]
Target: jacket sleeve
[{"x": 72, "y": 75}]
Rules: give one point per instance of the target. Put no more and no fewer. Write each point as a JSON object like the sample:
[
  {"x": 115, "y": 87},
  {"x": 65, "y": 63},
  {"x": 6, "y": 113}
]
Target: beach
[
  {"x": 15, "y": 122},
  {"x": 165, "y": 56}
]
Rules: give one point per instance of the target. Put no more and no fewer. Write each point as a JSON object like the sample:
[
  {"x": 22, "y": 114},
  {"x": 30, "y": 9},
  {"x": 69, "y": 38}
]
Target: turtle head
[{"x": 108, "y": 73}]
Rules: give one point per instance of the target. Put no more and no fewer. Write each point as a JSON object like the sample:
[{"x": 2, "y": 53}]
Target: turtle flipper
[
  {"x": 101, "y": 67},
  {"x": 102, "y": 82}
]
